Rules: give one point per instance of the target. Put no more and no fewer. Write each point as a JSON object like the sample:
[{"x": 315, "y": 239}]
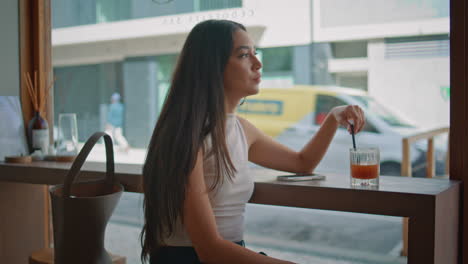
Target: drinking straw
[{"x": 352, "y": 135}]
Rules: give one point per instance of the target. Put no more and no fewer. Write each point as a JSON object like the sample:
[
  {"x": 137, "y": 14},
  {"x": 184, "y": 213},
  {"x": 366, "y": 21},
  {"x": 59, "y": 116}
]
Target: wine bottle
[{"x": 38, "y": 132}]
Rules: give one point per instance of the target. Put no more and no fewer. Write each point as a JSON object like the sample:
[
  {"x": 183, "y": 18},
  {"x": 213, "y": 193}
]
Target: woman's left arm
[{"x": 266, "y": 152}]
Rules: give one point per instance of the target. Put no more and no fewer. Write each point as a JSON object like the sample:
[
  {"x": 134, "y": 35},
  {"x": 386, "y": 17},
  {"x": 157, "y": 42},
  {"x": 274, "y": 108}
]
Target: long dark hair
[{"x": 193, "y": 111}]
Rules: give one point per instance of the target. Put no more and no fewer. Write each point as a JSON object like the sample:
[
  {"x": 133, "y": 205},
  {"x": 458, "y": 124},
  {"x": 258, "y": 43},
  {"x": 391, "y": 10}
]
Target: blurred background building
[{"x": 397, "y": 50}]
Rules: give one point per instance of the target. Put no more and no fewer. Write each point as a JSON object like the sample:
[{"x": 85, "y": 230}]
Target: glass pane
[{"x": 390, "y": 57}]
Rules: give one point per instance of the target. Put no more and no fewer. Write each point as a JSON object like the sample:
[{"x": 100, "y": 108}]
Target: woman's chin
[{"x": 254, "y": 90}]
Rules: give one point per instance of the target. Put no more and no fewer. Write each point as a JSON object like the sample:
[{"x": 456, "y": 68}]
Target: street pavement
[{"x": 299, "y": 235}]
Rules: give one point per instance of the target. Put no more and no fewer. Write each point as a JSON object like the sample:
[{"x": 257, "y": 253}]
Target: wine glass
[{"x": 67, "y": 135}]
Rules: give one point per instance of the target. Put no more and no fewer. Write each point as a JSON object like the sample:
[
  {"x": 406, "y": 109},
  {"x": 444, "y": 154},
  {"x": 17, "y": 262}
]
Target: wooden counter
[{"x": 432, "y": 205}]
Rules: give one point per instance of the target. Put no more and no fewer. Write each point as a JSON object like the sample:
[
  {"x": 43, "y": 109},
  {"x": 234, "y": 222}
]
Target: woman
[{"x": 195, "y": 178}]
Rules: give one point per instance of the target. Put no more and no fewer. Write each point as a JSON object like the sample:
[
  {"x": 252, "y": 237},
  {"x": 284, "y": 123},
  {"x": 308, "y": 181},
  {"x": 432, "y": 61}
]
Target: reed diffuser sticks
[{"x": 38, "y": 96}]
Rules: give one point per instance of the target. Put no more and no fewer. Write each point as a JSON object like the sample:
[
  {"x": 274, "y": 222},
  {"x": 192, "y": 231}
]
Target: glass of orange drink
[{"x": 365, "y": 166}]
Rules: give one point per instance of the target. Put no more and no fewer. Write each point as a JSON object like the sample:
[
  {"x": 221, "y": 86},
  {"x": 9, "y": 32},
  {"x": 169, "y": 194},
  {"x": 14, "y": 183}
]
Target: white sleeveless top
[{"x": 228, "y": 200}]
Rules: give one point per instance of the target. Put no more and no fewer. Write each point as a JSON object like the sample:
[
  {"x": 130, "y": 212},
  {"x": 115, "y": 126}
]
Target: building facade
[{"x": 396, "y": 50}]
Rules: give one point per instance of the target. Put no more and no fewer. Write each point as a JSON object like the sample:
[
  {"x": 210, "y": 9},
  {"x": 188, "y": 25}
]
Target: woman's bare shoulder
[{"x": 251, "y": 132}]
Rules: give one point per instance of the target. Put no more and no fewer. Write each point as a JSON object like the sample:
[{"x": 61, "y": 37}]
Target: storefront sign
[{"x": 195, "y": 18}]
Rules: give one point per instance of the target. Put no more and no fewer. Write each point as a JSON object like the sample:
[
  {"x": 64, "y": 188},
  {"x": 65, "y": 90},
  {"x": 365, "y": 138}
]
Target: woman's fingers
[
  {"x": 355, "y": 116},
  {"x": 350, "y": 114},
  {"x": 363, "y": 119},
  {"x": 359, "y": 116},
  {"x": 354, "y": 113}
]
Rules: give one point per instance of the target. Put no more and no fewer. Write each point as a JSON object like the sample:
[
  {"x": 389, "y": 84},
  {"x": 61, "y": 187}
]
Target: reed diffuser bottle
[
  {"x": 38, "y": 128},
  {"x": 38, "y": 133}
]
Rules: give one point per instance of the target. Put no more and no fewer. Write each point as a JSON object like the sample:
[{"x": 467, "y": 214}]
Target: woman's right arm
[{"x": 201, "y": 226}]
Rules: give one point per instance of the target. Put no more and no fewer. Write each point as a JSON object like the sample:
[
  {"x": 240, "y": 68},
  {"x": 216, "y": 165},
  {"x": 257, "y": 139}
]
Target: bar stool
[{"x": 46, "y": 256}]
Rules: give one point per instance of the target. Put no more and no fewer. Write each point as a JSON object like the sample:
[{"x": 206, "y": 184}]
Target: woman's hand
[{"x": 346, "y": 115}]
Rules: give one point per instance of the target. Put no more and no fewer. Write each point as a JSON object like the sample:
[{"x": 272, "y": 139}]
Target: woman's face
[{"x": 242, "y": 73}]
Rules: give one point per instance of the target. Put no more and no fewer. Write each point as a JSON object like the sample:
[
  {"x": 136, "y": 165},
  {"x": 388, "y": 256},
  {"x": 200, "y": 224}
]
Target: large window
[{"x": 316, "y": 55}]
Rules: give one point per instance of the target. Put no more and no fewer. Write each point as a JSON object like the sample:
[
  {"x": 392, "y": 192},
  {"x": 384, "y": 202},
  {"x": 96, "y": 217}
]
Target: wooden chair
[
  {"x": 430, "y": 168},
  {"x": 46, "y": 256}
]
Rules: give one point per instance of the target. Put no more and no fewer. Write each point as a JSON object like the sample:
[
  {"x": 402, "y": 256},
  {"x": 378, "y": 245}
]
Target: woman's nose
[{"x": 257, "y": 63}]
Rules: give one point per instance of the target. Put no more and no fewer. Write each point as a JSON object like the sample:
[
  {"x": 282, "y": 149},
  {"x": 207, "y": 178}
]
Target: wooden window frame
[
  {"x": 35, "y": 54},
  {"x": 459, "y": 113}
]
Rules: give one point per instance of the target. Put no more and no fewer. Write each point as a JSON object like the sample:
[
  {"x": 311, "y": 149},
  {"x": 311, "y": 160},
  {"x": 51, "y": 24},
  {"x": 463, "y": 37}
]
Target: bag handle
[{"x": 81, "y": 158}]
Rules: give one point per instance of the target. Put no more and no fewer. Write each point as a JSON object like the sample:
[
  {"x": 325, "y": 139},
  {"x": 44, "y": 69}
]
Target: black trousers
[{"x": 179, "y": 255}]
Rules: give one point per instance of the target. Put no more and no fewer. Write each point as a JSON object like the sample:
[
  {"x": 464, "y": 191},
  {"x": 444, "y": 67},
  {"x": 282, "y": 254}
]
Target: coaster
[
  {"x": 65, "y": 158},
  {"x": 18, "y": 159},
  {"x": 60, "y": 158}
]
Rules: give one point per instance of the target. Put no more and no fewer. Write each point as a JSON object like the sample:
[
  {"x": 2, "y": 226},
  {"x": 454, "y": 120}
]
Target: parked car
[{"x": 293, "y": 115}]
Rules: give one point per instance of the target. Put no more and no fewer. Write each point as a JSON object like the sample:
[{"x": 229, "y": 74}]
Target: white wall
[
  {"x": 9, "y": 51},
  {"x": 412, "y": 86},
  {"x": 342, "y": 20},
  {"x": 288, "y": 23}
]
